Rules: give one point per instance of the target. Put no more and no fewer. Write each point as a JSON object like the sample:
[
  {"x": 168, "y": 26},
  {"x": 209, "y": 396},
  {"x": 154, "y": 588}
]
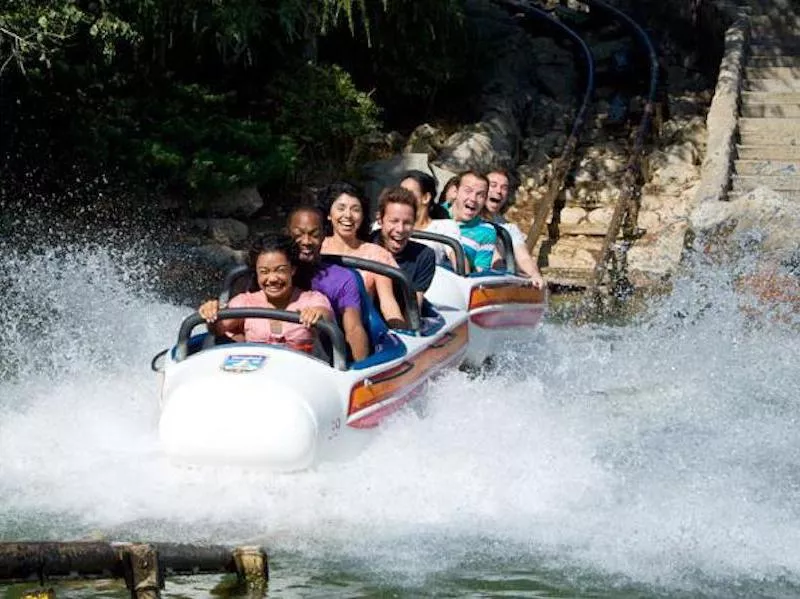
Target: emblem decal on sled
[{"x": 242, "y": 363}]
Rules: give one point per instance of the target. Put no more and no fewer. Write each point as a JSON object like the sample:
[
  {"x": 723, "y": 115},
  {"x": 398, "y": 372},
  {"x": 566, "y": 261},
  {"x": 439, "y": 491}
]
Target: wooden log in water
[{"x": 21, "y": 562}]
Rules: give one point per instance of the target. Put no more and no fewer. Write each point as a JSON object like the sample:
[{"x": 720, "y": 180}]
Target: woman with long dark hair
[
  {"x": 423, "y": 187},
  {"x": 347, "y": 234}
]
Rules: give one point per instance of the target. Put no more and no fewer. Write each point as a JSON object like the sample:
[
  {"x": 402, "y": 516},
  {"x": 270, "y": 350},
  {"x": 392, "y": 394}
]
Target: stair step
[
  {"x": 777, "y": 36},
  {"x": 568, "y": 277},
  {"x": 777, "y": 183},
  {"x": 770, "y": 110},
  {"x": 770, "y": 97},
  {"x": 774, "y": 61},
  {"x": 766, "y": 19},
  {"x": 791, "y": 196},
  {"x": 780, "y": 36},
  {"x": 769, "y": 139},
  {"x": 767, "y": 167},
  {"x": 588, "y": 229},
  {"x": 780, "y": 125},
  {"x": 772, "y": 85},
  {"x": 779, "y": 73},
  {"x": 773, "y": 48},
  {"x": 771, "y": 7},
  {"x": 768, "y": 152},
  {"x": 764, "y": 33}
]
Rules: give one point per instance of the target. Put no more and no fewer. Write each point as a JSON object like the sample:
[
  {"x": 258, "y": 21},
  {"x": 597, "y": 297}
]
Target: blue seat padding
[
  {"x": 371, "y": 318},
  {"x": 432, "y": 321},
  {"x": 384, "y": 344}
]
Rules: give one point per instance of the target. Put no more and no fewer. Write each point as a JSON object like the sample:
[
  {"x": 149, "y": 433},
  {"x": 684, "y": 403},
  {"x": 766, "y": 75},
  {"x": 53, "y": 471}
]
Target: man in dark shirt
[{"x": 397, "y": 213}]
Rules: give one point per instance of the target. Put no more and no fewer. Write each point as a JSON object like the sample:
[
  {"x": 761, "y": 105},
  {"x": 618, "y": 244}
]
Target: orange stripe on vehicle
[
  {"x": 402, "y": 380},
  {"x": 508, "y": 319},
  {"x": 505, "y": 293}
]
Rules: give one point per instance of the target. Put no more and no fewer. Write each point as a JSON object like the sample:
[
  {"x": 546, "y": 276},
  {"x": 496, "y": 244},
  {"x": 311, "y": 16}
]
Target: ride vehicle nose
[{"x": 266, "y": 424}]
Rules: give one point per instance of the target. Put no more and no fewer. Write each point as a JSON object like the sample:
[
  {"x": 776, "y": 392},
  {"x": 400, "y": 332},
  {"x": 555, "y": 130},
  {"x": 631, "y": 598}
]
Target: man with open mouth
[
  {"x": 397, "y": 213},
  {"x": 499, "y": 192},
  {"x": 477, "y": 236}
]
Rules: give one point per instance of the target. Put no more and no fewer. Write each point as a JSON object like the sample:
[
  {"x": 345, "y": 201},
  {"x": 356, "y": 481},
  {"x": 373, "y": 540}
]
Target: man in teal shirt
[{"x": 477, "y": 236}]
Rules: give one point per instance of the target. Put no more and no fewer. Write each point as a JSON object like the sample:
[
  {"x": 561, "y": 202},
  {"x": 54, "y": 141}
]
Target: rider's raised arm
[
  {"x": 390, "y": 309},
  {"x": 354, "y": 333},
  {"x": 347, "y": 303}
]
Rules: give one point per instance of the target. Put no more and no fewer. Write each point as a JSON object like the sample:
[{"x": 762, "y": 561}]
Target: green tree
[{"x": 206, "y": 95}]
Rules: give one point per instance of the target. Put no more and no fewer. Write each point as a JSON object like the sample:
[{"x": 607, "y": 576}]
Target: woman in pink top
[
  {"x": 271, "y": 258},
  {"x": 347, "y": 231}
]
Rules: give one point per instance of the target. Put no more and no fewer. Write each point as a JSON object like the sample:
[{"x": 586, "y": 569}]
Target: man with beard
[
  {"x": 397, "y": 213},
  {"x": 477, "y": 236},
  {"x": 499, "y": 191},
  {"x": 337, "y": 283}
]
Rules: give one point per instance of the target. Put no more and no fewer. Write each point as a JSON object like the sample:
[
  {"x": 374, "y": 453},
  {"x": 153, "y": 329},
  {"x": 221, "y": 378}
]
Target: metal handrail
[
  {"x": 331, "y": 330},
  {"x": 563, "y": 163},
  {"x": 508, "y": 247},
  {"x": 627, "y": 205},
  {"x": 454, "y": 244},
  {"x": 231, "y": 277}
]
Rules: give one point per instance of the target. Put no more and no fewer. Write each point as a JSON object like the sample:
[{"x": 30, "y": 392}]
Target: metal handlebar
[
  {"x": 508, "y": 248},
  {"x": 397, "y": 275},
  {"x": 332, "y": 331},
  {"x": 453, "y": 244}
]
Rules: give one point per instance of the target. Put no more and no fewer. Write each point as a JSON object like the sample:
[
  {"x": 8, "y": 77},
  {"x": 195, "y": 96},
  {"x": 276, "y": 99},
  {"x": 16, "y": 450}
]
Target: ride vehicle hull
[
  {"x": 256, "y": 404},
  {"x": 502, "y": 308}
]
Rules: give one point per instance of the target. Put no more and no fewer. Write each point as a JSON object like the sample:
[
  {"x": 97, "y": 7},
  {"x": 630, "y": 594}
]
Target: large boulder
[
  {"x": 385, "y": 173},
  {"x": 471, "y": 148},
  {"x": 425, "y": 139},
  {"x": 243, "y": 203},
  {"x": 226, "y": 231},
  {"x": 675, "y": 165},
  {"x": 509, "y": 88},
  {"x": 220, "y": 257}
]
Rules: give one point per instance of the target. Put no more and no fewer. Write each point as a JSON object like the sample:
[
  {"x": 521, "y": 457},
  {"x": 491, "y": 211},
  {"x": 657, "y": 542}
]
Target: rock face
[
  {"x": 227, "y": 231},
  {"x": 762, "y": 220},
  {"x": 676, "y": 165},
  {"x": 505, "y": 103},
  {"x": 471, "y": 148},
  {"x": 425, "y": 139},
  {"x": 384, "y": 173},
  {"x": 240, "y": 204},
  {"x": 508, "y": 91},
  {"x": 760, "y": 226},
  {"x": 220, "y": 256}
]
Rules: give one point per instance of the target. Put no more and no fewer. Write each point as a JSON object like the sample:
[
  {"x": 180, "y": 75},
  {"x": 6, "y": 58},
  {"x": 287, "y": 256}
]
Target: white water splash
[{"x": 664, "y": 451}]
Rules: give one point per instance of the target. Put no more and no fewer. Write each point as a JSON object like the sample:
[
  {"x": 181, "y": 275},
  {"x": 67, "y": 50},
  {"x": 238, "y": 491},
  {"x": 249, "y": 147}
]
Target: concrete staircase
[{"x": 769, "y": 118}]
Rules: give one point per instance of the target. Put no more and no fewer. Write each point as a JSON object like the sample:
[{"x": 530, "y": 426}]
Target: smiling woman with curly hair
[{"x": 347, "y": 230}]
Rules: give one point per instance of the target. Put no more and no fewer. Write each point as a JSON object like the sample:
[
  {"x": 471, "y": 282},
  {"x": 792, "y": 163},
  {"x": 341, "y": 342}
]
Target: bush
[
  {"x": 320, "y": 108},
  {"x": 185, "y": 138}
]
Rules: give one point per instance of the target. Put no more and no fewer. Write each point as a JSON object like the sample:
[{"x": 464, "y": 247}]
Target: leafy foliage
[
  {"x": 321, "y": 108},
  {"x": 186, "y": 140},
  {"x": 204, "y": 95}
]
